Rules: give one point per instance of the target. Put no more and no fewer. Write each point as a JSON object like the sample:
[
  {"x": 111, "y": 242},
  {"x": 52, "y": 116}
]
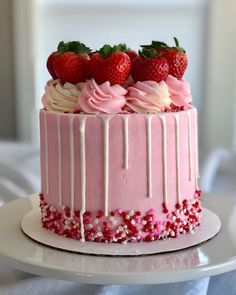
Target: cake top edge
[
  {"x": 117, "y": 80},
  {"x": 121, "y": 115}
]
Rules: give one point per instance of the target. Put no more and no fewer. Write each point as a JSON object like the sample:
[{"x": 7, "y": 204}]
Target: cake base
[{"x": 31, "y": 225}]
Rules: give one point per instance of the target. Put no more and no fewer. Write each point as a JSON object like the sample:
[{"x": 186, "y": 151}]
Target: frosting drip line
[
  {"x": 72, "y": 172},
  {"x": 126, "y": 141},
  {"x": 59, "y": 159},
  {"x": 149, "y": 155},
  {"x": 164, "y": 163},
  {"x": 177, "y": 159},
  {"x": 82, "y": 122},
  {"x": 106, "y": 121},
  {"x": 46, "y": 152}
]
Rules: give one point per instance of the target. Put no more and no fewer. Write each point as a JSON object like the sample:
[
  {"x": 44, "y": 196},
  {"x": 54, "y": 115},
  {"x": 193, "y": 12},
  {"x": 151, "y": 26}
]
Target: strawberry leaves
[{"x": 72, "y": 46}]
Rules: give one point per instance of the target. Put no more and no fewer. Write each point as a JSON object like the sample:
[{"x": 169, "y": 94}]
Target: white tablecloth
[{"x": 19, "y": 176}]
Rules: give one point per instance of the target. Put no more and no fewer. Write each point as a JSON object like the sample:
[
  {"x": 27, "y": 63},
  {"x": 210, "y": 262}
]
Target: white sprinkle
[
  {"x": 89, "y": 226},
  {"x": 125, "y": 226},
  {"x": 133, "y": 222},
  {"x": 114, "y": 222},
  {"x": 123, "y": 235},
  {"x": 127, "y": 216},
  {"x": 96, "y": 221},
  {"x": 172, "y": 233},
  {"x": 131, "y": 213},
  {"x": 173, "y": 217},
  {"x": 120, "y": 228},
  {"x": 144, "y": 222}
]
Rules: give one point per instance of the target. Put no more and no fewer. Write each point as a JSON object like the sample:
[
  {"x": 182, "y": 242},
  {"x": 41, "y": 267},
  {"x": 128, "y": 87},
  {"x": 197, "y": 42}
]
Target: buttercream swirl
[
  {"x": 61, "y": 98},
  {"x": 104, "y": 98},
  {"x": 179, "y": 90},
  {"x": 148, "y": 97}
]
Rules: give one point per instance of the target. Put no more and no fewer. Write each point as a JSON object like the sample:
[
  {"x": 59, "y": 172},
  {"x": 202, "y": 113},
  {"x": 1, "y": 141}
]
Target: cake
[{"x": 119, "y": 144}]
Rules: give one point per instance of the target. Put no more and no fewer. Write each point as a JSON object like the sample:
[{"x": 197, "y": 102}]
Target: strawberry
[
  {"x": 177, "y": 60},
  {"x": 110, "y": 64},
  {"x": 50, "y": 65},
  {"x": 130, "y": 52},
  {"x": 149, "y": 66},
  {"x": 72, "y": 62},
  {"x": 175, "y": 56}
]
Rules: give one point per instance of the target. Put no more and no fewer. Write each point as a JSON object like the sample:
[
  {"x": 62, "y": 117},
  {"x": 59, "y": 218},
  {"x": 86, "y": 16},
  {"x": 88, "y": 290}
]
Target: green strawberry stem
[
  {"x": 177, "y": 45},
  {"x": 176, "y": 42},
  {"x": 108, "y": 50},
  {"x": 72, "y": 46},
  {"x": 148, "y": 52},
  {"x": 156, "y": 44}
]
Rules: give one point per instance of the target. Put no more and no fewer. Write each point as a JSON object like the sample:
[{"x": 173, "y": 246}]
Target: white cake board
[{"x": 32, "y": 227}]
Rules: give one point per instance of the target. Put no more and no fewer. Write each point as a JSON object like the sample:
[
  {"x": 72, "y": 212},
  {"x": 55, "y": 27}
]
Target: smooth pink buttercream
[
  {"x": 127, "y": 187},
  {"x": 104, "y": 98},
  {"x": 148, "y": 97},
  {"x": 180, "y": 92}
]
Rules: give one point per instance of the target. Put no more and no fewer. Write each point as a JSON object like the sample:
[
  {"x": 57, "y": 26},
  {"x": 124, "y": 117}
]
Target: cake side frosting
[{"x": 107, "y": 162}]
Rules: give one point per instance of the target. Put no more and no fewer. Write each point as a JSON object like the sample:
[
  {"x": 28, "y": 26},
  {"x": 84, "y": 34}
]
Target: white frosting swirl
[
  {"x": 148, "y": 97},
  {"x": 61, "y": 98},
  {"x": 104, "y": 98}
]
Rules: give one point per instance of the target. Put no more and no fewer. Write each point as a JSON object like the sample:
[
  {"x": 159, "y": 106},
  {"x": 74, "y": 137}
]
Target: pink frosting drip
[
  {"x": 179, "y": 92},
  {"x": 148, "y": 97},
  {"x": 104, "y": 98}
]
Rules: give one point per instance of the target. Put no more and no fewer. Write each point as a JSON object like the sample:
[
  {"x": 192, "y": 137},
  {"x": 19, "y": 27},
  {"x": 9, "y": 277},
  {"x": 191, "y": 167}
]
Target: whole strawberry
[
  {"x": 149, "y": 66},
  {"x": 110, "y": 64},
  {"x": 130, "y": 52},
  {"x": 71, "y": 63},
  {"x": 175, "y": 56},
  {"x": 177, "y": 60},
  {"x": 50, "y": 65}
]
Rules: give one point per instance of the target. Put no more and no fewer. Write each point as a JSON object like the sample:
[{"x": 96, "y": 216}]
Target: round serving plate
[
  {"x": 216, "y": 256},
  {"x": 32, "y": 227}
]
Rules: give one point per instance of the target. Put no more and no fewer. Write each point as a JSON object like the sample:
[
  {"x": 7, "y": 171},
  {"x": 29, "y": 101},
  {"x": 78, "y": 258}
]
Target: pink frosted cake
[{"x": 119, "y": 144}]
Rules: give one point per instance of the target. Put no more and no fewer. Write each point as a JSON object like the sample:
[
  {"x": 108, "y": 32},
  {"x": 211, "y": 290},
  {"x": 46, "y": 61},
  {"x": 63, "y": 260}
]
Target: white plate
[
  {"x": 32, "y": 227},
  {"x": 216, "y": 256}
]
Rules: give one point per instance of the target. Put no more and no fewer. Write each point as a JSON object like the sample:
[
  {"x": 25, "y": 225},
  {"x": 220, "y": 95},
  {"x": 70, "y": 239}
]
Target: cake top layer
[{"x": 114, "y": 80}]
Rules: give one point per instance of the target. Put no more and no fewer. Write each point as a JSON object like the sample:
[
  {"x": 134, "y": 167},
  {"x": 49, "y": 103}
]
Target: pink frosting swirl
[
  {"x": 179, "y": 92},
  {"x": 148, "y": 97},
  {"x": 104, "y": 98}
]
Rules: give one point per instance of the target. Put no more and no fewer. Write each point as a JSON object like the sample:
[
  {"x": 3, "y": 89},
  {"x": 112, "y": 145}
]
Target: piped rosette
[
  {"x": 148, "y": 97},
  {"x": 104, "y": 98}
]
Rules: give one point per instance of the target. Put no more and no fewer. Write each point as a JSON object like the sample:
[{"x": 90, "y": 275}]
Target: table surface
[{"x": 214, "y": 257}]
